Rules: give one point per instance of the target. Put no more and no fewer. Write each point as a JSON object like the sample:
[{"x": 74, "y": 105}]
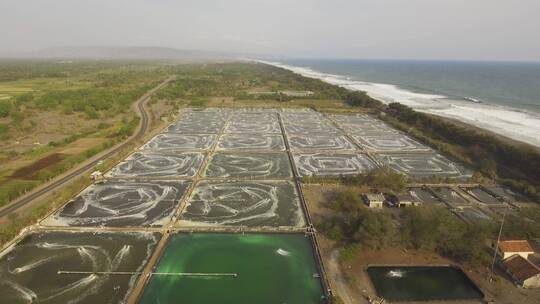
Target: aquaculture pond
[
  {"x": 74, "y": 267},
  {"x": 250, "y": 203},
  {"x": 422, "y": 283},
  {"x": 254, "y": 268},
  {"x": 121, "y": 204}
]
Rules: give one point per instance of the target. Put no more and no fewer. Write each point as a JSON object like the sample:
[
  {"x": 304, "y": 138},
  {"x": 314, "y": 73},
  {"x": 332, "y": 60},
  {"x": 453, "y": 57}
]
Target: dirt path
[{"x": 336, "y": 277}]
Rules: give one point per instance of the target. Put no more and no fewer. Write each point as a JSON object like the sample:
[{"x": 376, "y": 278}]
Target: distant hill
[{"x": 121, "y": 53}]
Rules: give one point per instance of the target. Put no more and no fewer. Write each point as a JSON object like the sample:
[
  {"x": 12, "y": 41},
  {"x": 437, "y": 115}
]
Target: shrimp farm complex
[{"x": 210, "y": 210}]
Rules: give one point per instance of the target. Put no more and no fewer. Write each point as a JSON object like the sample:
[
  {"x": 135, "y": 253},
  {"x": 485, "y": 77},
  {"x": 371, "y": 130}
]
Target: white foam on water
[
  {"x": 247, "y": 141},
  {"x": 326, "y": 164},
  {"x": 121, "y": 255},
  {"x": 171, "y": 141},
  {"x": 248, "y": 165},
  {"x": 517, "y": 124},
  {"x": 283, "y": 252},
  {"x": 238, "y": 204},
  {"x": 31, "y": 265},
  {"x": 87, "y": 255},
  {"x": 152, "y": 164},
  {"x": 27, "y": 294},
  {"x": 92, "y": 258},
  {"x": 135, "y": 201},
  {"x": 82, "y": 286},
  {"x": 395, "y": 274}
]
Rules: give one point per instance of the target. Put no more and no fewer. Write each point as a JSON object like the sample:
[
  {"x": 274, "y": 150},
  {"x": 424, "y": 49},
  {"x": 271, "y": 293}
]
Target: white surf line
[{"x": 514, "y": 123}]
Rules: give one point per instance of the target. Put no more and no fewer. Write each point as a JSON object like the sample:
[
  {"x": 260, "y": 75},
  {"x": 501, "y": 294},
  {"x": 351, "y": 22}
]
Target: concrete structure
[
  {"x": 96, "y": 175},
  {"x": 402, "y": 200},
  {"x": 515, "y": 247},
  {"x": 297, "y": 93},
  {"x": 406, "y": 200},
  {"x": 525, "y": 273},
  {"x": 374, "y": 200},
  {"x": 286, "y": 93}
]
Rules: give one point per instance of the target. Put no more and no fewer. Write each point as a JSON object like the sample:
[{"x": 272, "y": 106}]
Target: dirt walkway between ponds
[{"x": 338, "y": 281}]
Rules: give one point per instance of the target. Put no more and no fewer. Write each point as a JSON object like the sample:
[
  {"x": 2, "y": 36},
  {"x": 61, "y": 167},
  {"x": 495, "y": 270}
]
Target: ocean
[{"x": 502, "y": 97}]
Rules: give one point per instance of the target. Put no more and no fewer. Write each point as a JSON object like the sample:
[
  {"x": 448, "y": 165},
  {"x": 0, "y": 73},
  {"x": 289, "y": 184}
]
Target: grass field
[{"x": 55, "y": 115}]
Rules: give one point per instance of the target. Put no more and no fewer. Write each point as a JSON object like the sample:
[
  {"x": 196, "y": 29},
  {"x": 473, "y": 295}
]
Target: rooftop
[
  {"x": 521, "y": 268},
  {"x": 406, "y": 197},
  {"x": 375, "y": 197},
  {"x": 515, "y": 246}
]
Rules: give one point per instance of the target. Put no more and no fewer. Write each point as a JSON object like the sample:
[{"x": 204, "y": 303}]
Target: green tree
[
  {"x": 5, "y": 108},
  {"x": 91, "y": 112}
]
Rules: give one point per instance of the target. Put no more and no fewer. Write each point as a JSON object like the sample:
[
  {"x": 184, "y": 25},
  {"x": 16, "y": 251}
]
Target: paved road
[{"x": 57, "y": 183}]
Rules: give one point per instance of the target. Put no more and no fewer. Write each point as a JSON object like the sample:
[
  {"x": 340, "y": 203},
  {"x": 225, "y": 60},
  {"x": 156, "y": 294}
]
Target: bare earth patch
[{"x": 30, "y": 172}]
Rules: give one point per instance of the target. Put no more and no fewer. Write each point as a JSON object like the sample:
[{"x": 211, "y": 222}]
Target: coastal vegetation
[
  {"x": 382, "y": 179},
  {"x": 433, "y": 229},
  {"x": 426, "y": 228},
  {"x": 54, "y": 115},
  {"x": 88, "y": 103},
  {"x": 492, "y": 157},
  {"x": 92, "y": 99},
  {"x": 513, "y": 164},
  {"x": 242, "y": 81}
]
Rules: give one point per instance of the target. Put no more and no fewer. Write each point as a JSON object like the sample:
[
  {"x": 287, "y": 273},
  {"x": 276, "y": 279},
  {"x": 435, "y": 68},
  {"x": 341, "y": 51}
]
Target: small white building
[
  {"x": 374, "y": 200},
  {"x": 406, "y": 200},
  {"x": 515, "y": 247},
  {"x": 96, "y": 175},
  {"x": 297, "y": 93},
  {"x": 523, "y": 271}
]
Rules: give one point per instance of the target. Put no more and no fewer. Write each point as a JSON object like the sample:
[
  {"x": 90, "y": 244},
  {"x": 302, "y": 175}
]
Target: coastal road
[{"x": 60, "y": 181}]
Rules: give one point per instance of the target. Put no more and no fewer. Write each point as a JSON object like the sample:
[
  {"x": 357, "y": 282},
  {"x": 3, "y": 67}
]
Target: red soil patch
[{"x": 31, "y": 171}]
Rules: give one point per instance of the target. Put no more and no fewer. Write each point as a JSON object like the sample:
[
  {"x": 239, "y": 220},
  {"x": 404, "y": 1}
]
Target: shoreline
[
  {"x": 502, "y": 137},
  {"x": 516, "y": 125}
]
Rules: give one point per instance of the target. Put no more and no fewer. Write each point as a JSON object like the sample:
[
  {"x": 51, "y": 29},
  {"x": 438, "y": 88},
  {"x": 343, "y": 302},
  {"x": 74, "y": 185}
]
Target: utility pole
[{"x": 497, "y": 245}]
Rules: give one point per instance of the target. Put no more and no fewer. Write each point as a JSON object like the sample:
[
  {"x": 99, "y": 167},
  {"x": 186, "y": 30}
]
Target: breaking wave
[{"x": 514, "y": 123}]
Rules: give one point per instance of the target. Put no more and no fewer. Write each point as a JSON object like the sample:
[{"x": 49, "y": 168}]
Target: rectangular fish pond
[
  {"x": 121, "y": 204},
  {"x": 74, "y": 267},
  {"x": 249, "y": 203},
  {"x": 236, "y": 268},
  {"x": 422, "y": 283}
]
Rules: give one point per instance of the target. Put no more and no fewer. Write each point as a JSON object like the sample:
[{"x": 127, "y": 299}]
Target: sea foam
[{"x": 513, "y": 123}]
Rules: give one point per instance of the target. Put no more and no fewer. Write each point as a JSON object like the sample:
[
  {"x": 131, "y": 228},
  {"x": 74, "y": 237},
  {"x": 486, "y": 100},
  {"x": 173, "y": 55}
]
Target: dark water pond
[{"x": 419, "y": 283}]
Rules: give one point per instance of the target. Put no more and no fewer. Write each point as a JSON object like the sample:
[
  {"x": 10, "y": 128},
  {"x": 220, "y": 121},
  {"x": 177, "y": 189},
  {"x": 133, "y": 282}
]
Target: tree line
[
  {"x": 426, "y": 228},
  {"x": 514, "y": 164}
]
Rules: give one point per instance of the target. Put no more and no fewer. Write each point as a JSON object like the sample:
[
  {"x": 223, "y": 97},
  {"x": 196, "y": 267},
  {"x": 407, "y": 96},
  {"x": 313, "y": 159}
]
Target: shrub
[
  {"x": 3, "y": 129},
  {"x": 91, "y": 112},
  {"x": 5, "y": 108}
]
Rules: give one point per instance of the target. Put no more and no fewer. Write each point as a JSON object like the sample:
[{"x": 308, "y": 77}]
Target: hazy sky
[{"x": 418, "y": 29}]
